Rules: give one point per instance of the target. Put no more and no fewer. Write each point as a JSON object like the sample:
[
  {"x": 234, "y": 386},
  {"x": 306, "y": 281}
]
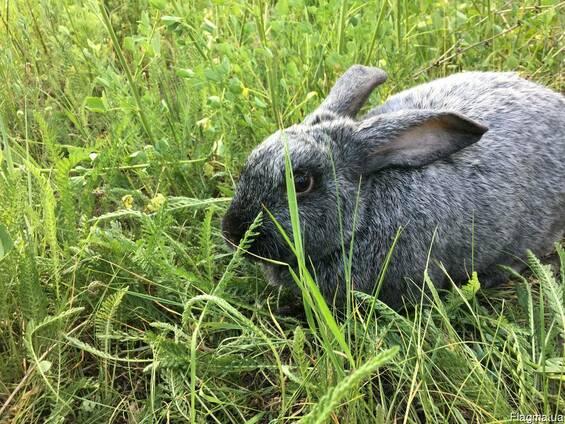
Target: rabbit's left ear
[
  {"x": 410, "y": 138},
  {"x": 349, "y": 94}
]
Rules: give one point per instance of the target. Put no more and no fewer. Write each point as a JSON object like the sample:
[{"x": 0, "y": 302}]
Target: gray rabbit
[{"x": 471, "y": 167}]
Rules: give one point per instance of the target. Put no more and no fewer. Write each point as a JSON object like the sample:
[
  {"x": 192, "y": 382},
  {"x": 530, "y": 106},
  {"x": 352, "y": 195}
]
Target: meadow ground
[{"x": 123, "y": 127}]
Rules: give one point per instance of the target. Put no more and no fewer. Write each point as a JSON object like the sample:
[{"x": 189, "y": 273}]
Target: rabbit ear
[
  {"x": 411, "y": 138},
  {"x": 348, "y": 94}
]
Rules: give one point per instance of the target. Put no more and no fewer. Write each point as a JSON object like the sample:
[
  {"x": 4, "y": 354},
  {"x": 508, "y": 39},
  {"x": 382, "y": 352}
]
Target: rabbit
[{"x": 470, "y": 167}]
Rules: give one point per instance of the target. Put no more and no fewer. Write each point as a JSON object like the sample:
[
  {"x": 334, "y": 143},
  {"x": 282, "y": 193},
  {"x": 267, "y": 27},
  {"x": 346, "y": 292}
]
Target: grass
[{"x": 123, "y": 126}]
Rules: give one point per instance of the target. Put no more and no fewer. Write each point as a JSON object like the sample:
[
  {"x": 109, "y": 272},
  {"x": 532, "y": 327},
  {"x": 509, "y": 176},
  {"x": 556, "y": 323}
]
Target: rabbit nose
[{"x": 233, "y": 228}]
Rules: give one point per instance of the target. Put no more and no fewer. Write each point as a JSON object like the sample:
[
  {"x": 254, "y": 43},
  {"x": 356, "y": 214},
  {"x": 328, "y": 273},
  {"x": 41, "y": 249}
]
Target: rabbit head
[
  {"x": 262, "y": 188},
  {"x": 332, "y": 156}
]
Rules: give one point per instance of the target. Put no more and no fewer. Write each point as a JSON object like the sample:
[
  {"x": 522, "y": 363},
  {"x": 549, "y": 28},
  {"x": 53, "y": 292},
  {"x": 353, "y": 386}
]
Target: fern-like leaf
[
  {"x": 552, "y": 290},
  {"x": 322, "y": 410},
  {"x": 32, "y": 297},
  {"x": 67, "y": 210},
  {"x": 105, "y": 314}
]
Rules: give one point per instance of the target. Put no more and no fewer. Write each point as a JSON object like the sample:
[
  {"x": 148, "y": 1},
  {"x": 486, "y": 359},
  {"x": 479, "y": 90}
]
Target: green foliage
[{"x": 122, "y": 128}]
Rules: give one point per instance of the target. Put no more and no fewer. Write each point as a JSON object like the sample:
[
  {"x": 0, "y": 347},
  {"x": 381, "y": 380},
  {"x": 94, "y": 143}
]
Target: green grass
[{"x": 123, "y": 127}]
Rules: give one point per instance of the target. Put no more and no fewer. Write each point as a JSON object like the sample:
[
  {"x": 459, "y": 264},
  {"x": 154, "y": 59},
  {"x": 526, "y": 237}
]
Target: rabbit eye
[{"x": 303, "y": 183}]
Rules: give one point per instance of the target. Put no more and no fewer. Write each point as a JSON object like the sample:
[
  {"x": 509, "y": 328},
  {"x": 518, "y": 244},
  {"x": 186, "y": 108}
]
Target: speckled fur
[{"x": 486, "y": 203}]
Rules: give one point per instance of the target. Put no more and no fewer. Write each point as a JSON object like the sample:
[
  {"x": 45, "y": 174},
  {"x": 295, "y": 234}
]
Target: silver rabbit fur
[{"x": 471, "y": 167}]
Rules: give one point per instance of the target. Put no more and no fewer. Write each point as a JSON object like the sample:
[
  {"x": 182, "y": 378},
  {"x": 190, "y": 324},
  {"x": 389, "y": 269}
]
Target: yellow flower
[
  {"x": 127, "y": 201},
  {"x": 156, "y": 203},
  {"x": 208, "y": 169}
]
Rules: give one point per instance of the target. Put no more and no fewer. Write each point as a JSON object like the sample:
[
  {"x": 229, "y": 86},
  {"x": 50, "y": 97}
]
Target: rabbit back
[{"x": 503, "y": 195}]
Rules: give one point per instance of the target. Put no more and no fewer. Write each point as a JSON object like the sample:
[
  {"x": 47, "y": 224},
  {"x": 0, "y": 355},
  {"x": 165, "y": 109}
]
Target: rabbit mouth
[
  {"x": 278, "y": 256},
  {"x": 261, "y": 249},
  {"x": 265, "y": 247},
  {"x": 264, "y": 250}
]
